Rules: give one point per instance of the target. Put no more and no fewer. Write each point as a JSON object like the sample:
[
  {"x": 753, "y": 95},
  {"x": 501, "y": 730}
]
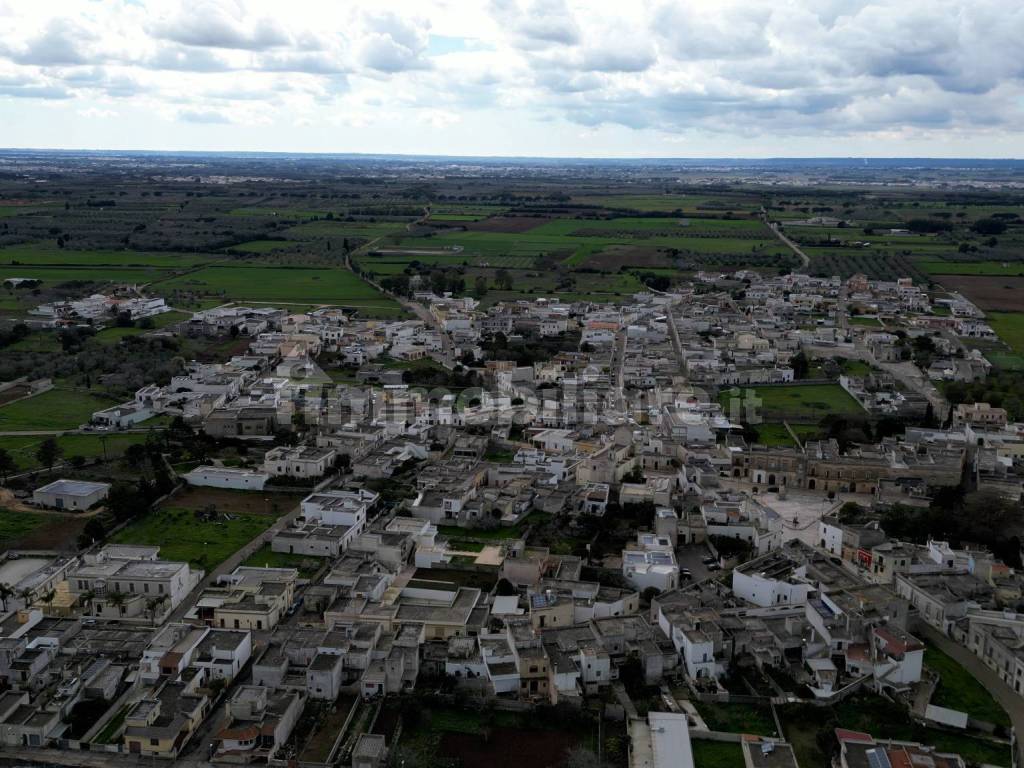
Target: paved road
[
  {"x": 793, "y": 246},
  {"x": 1012, "y": 702}
]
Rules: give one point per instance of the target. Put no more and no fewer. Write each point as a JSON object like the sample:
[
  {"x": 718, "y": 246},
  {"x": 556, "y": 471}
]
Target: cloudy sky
[{"x": 630, "y": 78}]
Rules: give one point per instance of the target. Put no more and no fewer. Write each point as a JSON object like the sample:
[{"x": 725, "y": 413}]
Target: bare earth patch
[{"x": 989, "y": 292}]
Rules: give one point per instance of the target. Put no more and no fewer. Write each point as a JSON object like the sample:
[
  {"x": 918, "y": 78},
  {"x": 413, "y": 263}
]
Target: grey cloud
[
  {"x": 394, "y": 44},
  {"x": 619, "y": 59},
  {"x": 210, "y": 25},
  {"x": 202, "y": 116},
  {"x": 310, "y": 63},
  {"x": 57, "y": 45},
  {"x": 181, "y": 58},
  {"x": 729, "y": 33}
]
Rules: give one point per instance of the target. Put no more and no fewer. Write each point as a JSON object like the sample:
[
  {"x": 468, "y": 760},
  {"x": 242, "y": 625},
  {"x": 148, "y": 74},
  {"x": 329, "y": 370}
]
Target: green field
[
  {"x": 23, "y": 449},
  {"x": 182, "y": 537},
  {"x": 283, "y": 284},
  {"x": 738, "y": 718},
  {"x": 1009, "y": 326},
  {"x": 669, "y": 202},
  {"x": 716, "y": 754},
  {"x": 778, "y": 435},
  {"x": 959, "y": 690},
  {"x": 56, "y": 409},
  {"x": 15, "y": 525},
  {"x": 262, "y": 246},
  {"x": 53, "y": 276},
  {"x": 1000, "y": 268},
  {"x": 353, "y": 229},
  {"x": 267, "y": 558},
  {"x": 42, "y": 255},
  {"x": 803, "y": 403}
]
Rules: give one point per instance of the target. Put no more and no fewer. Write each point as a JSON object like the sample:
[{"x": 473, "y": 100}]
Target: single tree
[
  {"x": 7, "y": 464},
  {"x": 6, "y": 592},
  {"x": 117, "y": 599},
  {"x": 49, "y": 452}
]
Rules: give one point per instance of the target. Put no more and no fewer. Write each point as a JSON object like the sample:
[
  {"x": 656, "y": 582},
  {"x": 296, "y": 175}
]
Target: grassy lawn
[
  {"x": 307, "y": 565},
  {"x": 777, "y": 434},
  {"x": 181, "y": 536},
  {"x": 803, "y": 403},
  {"x": 23, "y": 449},
  {"x": 1009, "y": 326},
  {"x": 738, "y": 718},
  {"x": 106, "y": 736},
  {"x": 716, "y": 754},
  {"x": 15, "y": 525},
  {"x": 462, "y": 545},
  {"x": 959, "y": 690},
  {"x": 338, "y": 286},
  {"x": 55, "y": 409}
]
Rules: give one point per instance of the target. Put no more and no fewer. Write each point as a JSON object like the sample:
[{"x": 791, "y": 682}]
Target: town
[{"x": 699, "y": 519}]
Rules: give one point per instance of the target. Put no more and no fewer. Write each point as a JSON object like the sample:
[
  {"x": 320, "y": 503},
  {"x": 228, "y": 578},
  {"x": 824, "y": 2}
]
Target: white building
[
  {"x": 339, "y": 507},
  {"x": 226, "y": 477},
  {"x": 298, "y": 461},
  {"x": 70, "y": 494},
  {"x": 662, "y": 741}
]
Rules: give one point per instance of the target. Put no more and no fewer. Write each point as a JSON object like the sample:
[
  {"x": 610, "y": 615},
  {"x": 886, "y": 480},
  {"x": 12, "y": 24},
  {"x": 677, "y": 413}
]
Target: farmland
[
  {"x": 89, "y": 446},
  {"x": 56, "y": 409},
  {"x": 37, "y": 255},
  {"x": 1009, "y": 326},
  {"x": 285, "y": 285},
  {"x": 989, "y": 292},
  {"x": 574, "y": 258}
]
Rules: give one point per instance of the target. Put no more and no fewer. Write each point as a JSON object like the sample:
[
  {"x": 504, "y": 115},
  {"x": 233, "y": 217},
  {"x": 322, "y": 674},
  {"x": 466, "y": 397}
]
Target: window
[{"x": 154, "y": 742}]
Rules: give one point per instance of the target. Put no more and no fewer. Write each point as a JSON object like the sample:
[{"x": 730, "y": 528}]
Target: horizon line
[{"x": 593, "y": 158}]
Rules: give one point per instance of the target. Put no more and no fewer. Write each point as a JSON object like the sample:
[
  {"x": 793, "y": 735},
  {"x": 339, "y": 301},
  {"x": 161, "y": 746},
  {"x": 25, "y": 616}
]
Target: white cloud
[{"x": 526, "y": 75}]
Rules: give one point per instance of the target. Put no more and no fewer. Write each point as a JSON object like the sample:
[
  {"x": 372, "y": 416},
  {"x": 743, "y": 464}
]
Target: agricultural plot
[
  {"x": 1009, "y": 326},
  {"x": 1015, "y": 269},
  {"x": 350, "y": 229},
  {"x": 671, "y": 202},
  {"x": 56, "y": 409},
  {"x": 286, "y": 285},
  {"x": 276, "y": 211},
  {"x": 48, "y": 255},
  {"x": 989, "y": 292},
  {"x": 54, "y": 276},
  {"x": 580, "y": 259},
  {"x": 847, "y": 261},
  {"x": 23, "y": 448},
  {"x": 263, "y": 246}
]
